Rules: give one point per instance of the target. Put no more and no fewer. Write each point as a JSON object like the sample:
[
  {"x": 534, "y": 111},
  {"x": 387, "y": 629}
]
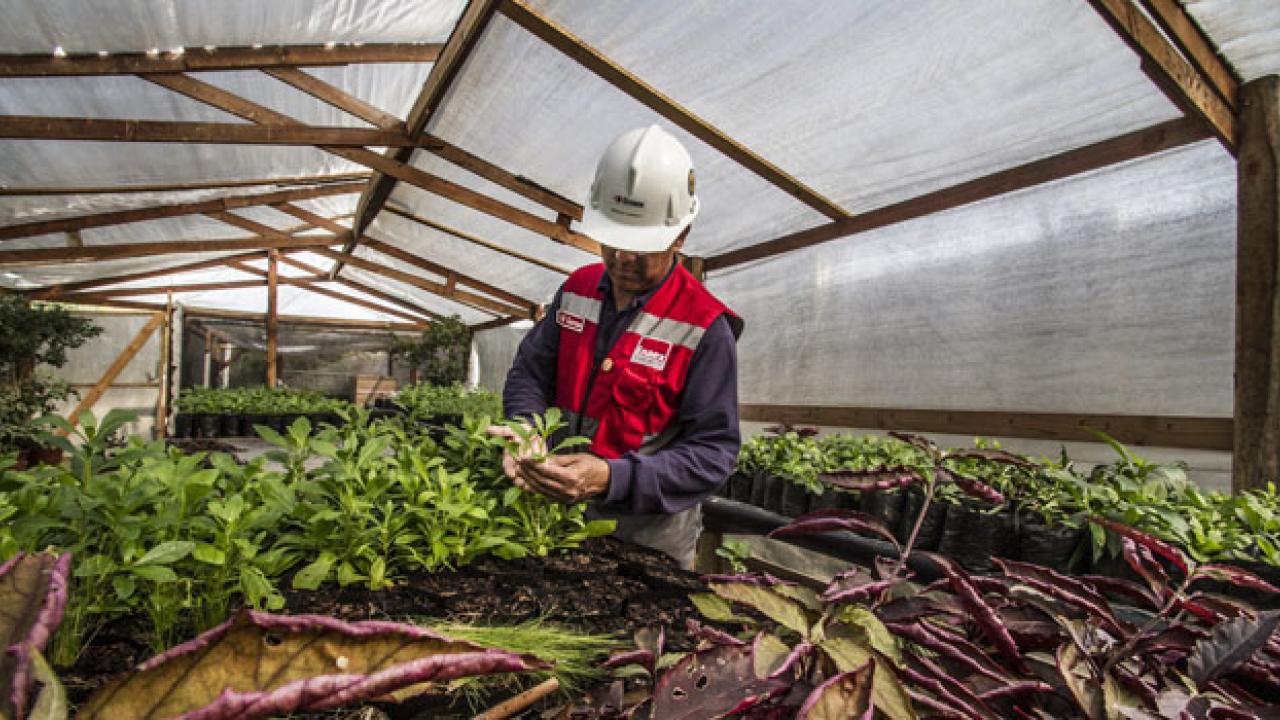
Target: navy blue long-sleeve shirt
[{"x": 702, "y": 454}]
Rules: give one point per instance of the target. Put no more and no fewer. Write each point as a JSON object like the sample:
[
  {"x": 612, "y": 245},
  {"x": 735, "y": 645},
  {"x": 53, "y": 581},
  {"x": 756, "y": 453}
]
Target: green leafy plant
[
  {"x": 438, "y": 356},
  {"x": 735, "y": 553}
]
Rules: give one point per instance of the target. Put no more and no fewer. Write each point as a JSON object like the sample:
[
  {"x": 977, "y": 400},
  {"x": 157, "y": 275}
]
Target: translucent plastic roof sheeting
[
  {"x": 1110, "y": 293},
  {"x": 138, "y": 25},
  {"x": 1246, "y": 32}
]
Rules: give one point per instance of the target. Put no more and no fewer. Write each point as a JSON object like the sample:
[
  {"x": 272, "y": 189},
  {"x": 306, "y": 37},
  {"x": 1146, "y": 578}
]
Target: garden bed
[{"x": 606, "y": 586}]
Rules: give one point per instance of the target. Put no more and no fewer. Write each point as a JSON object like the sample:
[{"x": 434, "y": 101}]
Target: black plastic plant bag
[
  {"x": 974, "y": 532},
  {"x": 930, "y": 528}
]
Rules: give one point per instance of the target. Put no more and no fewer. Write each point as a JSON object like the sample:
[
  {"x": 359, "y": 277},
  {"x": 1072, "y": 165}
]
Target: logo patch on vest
[
  {"x": 651, "y": 352},
  {"x": 569, "y": 321}
]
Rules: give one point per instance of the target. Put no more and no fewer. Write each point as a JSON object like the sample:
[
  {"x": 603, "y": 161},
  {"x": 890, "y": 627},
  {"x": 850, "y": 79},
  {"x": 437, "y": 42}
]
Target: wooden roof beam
[
  {"x": 1191, "y": 40},
  {"x": 303, "y": 320},
  {"x": 311, "y": 285},
  {"x": 366, "y": 289},
  {"x": 35, "y": 127},
  {"x": 1166, "y": 135},
  {"x": 120, "y": 251},
  {"x": 475, "y": 18},
  {"x": 182, "y": 187},
  {"x": 337, "y": 97},
  {"x": 1169, "y": 70},
  {"x": 222, "y": 58},
  {"x": 611, "y": 72},
  {"x": 268, "y": 118},
  {"x": 53, "y": 292},
  {"x": 119, "y": 217},
  {"x": 496, "y": 323},
  {"x": 447, "y": 272},
  {"x": 463, "y": 297},
  {"x": 161, "y": 290},
  {"x": 475, "y": 240}
]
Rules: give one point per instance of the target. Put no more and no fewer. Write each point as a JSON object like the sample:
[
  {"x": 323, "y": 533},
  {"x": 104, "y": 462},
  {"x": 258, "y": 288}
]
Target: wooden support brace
[{"x": 121, "y": 361}]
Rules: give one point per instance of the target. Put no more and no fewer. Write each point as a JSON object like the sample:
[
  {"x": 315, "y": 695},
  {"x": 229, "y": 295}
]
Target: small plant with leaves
[
  {"x": 735, "y": 553},
  {"x": 534, "y": 439}
]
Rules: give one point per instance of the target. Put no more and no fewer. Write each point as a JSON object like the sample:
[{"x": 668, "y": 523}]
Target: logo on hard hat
[
  {"x": 691, "y": 183},
  {"x": 624, "y": 200}
]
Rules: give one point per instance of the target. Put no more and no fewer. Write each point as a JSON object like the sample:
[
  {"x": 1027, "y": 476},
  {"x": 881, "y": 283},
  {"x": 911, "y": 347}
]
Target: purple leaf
[
  {"x": 709, "y": 634},
  {"x": 1136, "y": 685},
  {"x": 1145, "y": 565},
  {"x": 955, "y": 704},
  {"x": 1122, "y": 587},
  {"x": 877, "y": 479},
  {"x": 843, "y": 697},
  {"x": 1063, "y": 588},
  {"x": 1018, "y": 687},
  {"x": 1235, "y": 576},
  {"x": 33, "y": 595},
  {"x": 257, "y": 664},
  {"x": 971, "y": 486},
  {"x": 980, "y": 611},
  {"x": 938, "y": 709},
  {"x": 852, "y": 592},
  {"x": 1229, "y": 645},
  {"x": 919, "y": 606},
  {"x": 643, "y": 658},
  {"x": 712, "y": 683},
  {"x": 920, "y": 442},
  {"x": 965, "y": 653},
  {"x": 1154, "y": 544},
  {"x": 812, "y": 526},
  {"x": 993, "y": 455}
]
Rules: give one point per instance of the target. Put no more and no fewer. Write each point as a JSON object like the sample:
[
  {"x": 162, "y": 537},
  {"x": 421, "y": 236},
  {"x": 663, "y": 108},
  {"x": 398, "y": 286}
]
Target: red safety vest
[{"x": 628, "y": 402}]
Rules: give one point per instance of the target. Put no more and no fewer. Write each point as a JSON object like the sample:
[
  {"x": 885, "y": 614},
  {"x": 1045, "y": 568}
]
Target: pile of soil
[{"x": 606, "y": 586}]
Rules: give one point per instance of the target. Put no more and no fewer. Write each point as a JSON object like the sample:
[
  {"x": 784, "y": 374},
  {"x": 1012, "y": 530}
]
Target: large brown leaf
[
  {"x": 257, "y": 664},
  {"x": 33, "y": 594},
  {"x": 711, "y": 684},
  {"x": 844, "y": 697}
]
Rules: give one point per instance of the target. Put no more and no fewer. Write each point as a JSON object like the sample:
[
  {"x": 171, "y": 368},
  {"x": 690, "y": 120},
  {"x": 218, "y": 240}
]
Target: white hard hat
[{"x": 643, "y": 195}]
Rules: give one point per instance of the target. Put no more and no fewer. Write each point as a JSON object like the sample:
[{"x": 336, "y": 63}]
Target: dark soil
[{"x": 606, "y": 586}]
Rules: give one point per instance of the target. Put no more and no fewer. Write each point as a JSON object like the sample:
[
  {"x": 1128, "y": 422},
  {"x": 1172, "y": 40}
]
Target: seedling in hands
[{"x": 533, "y": 438}]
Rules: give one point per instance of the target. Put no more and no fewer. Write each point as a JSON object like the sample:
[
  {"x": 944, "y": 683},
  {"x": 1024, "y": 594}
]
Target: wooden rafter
[
  {"x": 464, "y": 297},
  {"x": 1196, "y": 47},
  {"x": 394, "y": 209},
  {"x": 496, "y": 323},
  {"x": 131, "y": 250},
  {"x": 618, "y": 76},
  {"x": 1137, "y": 144},
  {"x": 118, "y": 217},
  {"x": 337, "y": 97},
  {"x": 160, "y": 290},
  {"x": 313, "y": 284},
  {"x": 1170, "y": 71},
  {"x": 245, "y": 223},
  {"x": 303, "y": 320},
  {"x": 223, "y": 58},
  {"x": 366, "y": 289},
  {"x": 515, "y": 183},
  {"x": 452, "y": 276},
  {"x": 475, "y": 18},
  {"x": 53, "y": 291},
  {"x": 34, "y": 127},
  {"x": 309, "y": 217},
  {"x": 273, "y": 317},
  {"x": 268, "y": 118},
  {"x": 182, "y": 187}
]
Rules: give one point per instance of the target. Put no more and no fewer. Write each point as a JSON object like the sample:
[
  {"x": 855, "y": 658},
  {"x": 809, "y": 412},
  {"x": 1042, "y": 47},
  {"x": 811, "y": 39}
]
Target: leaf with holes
[
  {"x": 713, "y": 683},
  {"x": 33, "y": 594},
  {"x": 844, "y": 697},
  {"x": 1229, "y": 645},
  {"x": 849, "y": 652},
  {"x": 256, "y": 664}
]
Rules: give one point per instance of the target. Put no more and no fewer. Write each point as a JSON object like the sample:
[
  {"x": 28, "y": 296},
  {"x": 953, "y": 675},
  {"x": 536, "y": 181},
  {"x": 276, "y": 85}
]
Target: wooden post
[
  {"x": 121, "y": 361},
  {"x": 273, "y": 317},
  {"x": 1257, "y": 392},
  {"x": 161, "y": 427}
]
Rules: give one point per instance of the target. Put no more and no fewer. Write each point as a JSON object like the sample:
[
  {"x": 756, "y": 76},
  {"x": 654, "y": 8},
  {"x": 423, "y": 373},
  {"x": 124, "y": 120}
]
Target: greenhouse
[{"x": 393, "y": 359}]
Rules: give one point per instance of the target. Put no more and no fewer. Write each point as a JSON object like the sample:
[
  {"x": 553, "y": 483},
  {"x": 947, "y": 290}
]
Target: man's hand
[
  {"x": 509, "y": 462},
  {"x": 564, "y": 478}
]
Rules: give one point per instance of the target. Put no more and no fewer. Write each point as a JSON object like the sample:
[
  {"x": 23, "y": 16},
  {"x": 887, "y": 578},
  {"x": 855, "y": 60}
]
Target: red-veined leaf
[
  {"x": 1087, "y": 692},
  {"x": 971, "y": 486},
  {"x": 855, "y": 592},
  {"x": 1137, "y": 685},
  {"x": 1019, "y": 687},
  {"x": 970, "y": 656},
  {"x": 831, "y": 524},
  {"x": 919, "y": 606},
  {"x": 1145, "y": 565},
  {"x": 1063, "y": 588},
  {"x": 1152, "y": 543},
  {"x": 846, "y": 696},
  {"x": 712, "y": 683},
  {"x": 950, "y": 700},
  {"x": 256, "y": 665},
  {"x": 1229, "y": 645},
  {"x": 1236, "y": 576},
  {"x": 643, "y": 658},
  {"x": 937, "y": 709},
  {"x": 714, "y": 636},
  {"x": 33, "y": 595},
  {"x": 980, "y": 611},
  {"x": 993, "y": 455},
  {"x": 1123, "y": 587}
]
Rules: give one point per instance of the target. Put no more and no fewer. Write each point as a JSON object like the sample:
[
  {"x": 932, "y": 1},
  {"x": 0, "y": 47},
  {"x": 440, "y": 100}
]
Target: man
[{"x": 639, "y": 356}]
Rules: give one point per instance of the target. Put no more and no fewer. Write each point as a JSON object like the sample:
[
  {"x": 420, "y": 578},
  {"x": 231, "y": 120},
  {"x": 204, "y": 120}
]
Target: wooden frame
[
  {"x": 35, "y": 127},
  {"x": 473, "y": 239},
  {"x": 120, "y": 217},
  {"x": 313, "y": 284},
  {"x": 361, "y": 287},
  {"x": 131, "y": 250},
  {"x": 1170, "y": 71},
  {"x": 1200, "y": 433},
  {"x": 573, "y": 47},
  {"x": 1157, "y": 138},
  {"x": 223, "y": 58},
  {"x": 184, "y": 187},
  {"x": 116, "y": 367}
]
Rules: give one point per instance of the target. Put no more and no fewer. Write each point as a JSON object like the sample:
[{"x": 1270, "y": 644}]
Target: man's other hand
[
  {"x": 564, "y": 478},
  {"x": 510, "y": 462}
]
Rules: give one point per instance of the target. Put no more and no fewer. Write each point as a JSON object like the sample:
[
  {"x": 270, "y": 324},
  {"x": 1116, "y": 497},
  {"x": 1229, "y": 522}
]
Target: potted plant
[
  {"x": 439, "y": 356},
  {"x": 31, "y": 336}
]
